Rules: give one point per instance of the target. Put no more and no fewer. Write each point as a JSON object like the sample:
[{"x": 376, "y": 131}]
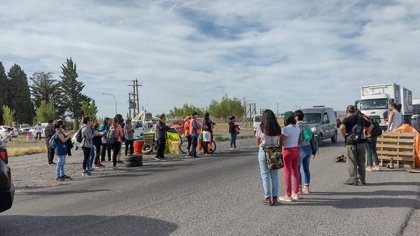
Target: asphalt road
[{"x": 219, "y": 195}]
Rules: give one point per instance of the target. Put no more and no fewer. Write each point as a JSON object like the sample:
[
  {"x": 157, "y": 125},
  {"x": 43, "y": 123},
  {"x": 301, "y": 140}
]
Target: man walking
[
  {"x": 353, "y": 129},
  {"x": 161, "y": 129},
  {"x": 49, "y": 133}
]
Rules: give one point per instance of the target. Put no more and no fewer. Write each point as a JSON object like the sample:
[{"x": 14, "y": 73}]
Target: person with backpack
[
  {"x": 233, "y": 131},
  {"x": 97, "y": 143},
  {"x": 49, "y": 132},
  {"x": 268, "y": 136},
  {"x": 290, "y": 139},
  {"x": 161, "y": 129},
  {"x": 129, "y": 137},
  {"x": 372, "y": 156},
  {"x": 305, "y": 152},
  {"x": 355, "y": 130},
  {"x": 187, "y": 123},
  {"x": 106, "y": 147},
  {"x": 60, "y": 138},
  {"x": 87, "y": 143},
  {"x": 114, "y": 137}
]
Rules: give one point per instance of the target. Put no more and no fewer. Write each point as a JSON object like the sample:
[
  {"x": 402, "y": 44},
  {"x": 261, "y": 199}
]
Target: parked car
[
  {"x": 5, "y": 130},
  {"x": 322, "y": 121},
  {"x": 24, "y": 128},
  {"x": 7, "y": 190}
]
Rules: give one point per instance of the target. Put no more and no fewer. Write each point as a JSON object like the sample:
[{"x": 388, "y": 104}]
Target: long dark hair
[{"x": 269, "y": 125}]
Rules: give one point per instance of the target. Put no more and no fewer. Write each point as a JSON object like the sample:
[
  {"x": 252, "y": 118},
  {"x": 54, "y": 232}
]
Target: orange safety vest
[
  {"x": 187, "y": 127},
  {"x": 192, "y": 127}
]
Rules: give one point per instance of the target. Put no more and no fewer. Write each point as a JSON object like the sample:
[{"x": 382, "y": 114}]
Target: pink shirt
[{"x": 265, "y": 139}]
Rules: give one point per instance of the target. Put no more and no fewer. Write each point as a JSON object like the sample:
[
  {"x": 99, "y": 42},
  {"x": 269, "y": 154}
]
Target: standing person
[
  {"x": 106, "y": 147},
  {"x": 61, "y": 150},
  {"x": 129, "y": 136},
  {"x": 206, "y": 139},
  {"x": 305, "y": 153},
  {"x": 372, "y": 156},
  {"x": 87, "y": 144},
  {"x": 118, "y": 134},
  {"x": 233, "y": 127},
  {"x": 38, "y": 131},
  {"x": 289, "y": 139},
  {"x": 97, "y": 143},
  {"x": 194, "y": 132},
  {"x": 352, "y": 128},
  {"x": 187, "y": 123},
  {"x": 210, "y": 125},
  {"x": 161, "y": 129},
  {"x": 395, "y": 118},
  {"x": 268, "y": 133},
  {"x": 49, "y": 132}
]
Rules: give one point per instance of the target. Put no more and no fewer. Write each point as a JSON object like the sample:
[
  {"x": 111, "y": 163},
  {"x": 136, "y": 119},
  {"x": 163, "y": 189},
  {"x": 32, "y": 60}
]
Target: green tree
[
  {"x": 45, "y": 112},
  {"x": 3, "y": 85},
  {"x": 72, "y": 91},
  {"x": 185, "y": 110},
  {"x": 8, "y": 115},
  {"x": 20, "y": 95},
  {"x": 89, "y": 109},
  {"x": 226, "y": 107},
  {"x": 45, "y": 88}
]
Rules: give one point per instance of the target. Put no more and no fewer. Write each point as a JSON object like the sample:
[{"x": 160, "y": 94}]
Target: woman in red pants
[{"x": 290, "y": 138}]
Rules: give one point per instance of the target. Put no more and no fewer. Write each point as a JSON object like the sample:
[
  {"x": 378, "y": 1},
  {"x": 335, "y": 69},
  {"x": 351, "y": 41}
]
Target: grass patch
[
  {"x": 22, "y": 151},
  {"x": 224, "y": 139}
]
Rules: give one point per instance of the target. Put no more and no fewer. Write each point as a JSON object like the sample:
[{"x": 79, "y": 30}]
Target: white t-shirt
[
  {"x": 206, "y": 136},
  {"x": 265, "y": 139},
  {"x": 291, "y": 132}
]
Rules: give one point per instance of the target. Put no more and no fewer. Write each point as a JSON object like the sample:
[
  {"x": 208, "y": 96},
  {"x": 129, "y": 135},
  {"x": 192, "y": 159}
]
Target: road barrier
[{"x": 396, "y": 148}]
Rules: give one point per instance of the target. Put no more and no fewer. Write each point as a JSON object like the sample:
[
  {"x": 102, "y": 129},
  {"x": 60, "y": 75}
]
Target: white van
[{"x": 322, "y": 121}]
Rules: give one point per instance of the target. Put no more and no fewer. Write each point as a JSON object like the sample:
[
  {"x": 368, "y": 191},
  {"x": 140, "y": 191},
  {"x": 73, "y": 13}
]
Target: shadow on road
[
  {"x": 58, "y": 192},
  {"x": 84, "y": 225}
]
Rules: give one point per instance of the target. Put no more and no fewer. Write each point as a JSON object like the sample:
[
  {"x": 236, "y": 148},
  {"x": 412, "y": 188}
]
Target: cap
[{"x": 289, "y": 114}]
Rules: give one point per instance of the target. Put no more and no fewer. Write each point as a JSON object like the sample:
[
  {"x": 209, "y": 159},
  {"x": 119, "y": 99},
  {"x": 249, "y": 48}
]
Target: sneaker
[
  {"x": 236, "y": 148},
  {"x": 52, "y": 163},
  {"x": 60, "y": 178},
  {"x": 87, "y": 174},
  {"x": 285, "y": 199},
  {"x": 157, "y": 158},
  {"x": 363, "y": 182},
  {"x": 369, "y": 168},
  {"x": 275, "y": 201},
  {"x": 267, "y": 201},
  {"x": 295, "y": 196},
  {"x": 231, "y": 149},
  {"x": 66, "y": 177},
  {"x": 351, "y": 182},
  {"x": 376, "y": 168},
  {"x": 305, "y": 190}
]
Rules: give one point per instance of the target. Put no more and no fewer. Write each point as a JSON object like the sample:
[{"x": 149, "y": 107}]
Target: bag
[
  {"x": 273, "y": 156},
  {"x": 53, "y": 141},
  {"x": 79, "y": 137},
  {"x": 305, "y": 135},
  {"x": 237, "y": 130},
  {"x": 314, "y": 145},
  {"x": 110, "y": 136},
  {"x": 356, "y": 134},
  {"x": 376, "y": 131}
]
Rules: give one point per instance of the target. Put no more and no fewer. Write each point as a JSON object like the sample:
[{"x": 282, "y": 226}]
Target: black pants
[
  {"x": 161, "y": 148},
  {"x": 129, "y": 143},
  {"x": 97, "y": 154},
  {"x": 189, "y": 144},
  {"x": 206, "y": 147},
  {"x": 115, "y": 151},
  {"x": 106, "y": 148},
  {"x": 50, "y": 155},
  {"x": 38, "y": 136},
  {"x": 86, "y": 156},
  {"x": 194, "y": 142}
]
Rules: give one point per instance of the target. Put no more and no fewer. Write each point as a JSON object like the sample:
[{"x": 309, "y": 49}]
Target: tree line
[
  {"x": 219, "y": 109},
  {"x": 42, "y": 97}
]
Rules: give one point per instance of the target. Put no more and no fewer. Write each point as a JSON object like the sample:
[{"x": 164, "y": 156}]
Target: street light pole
[{"x": 115, "y": 101}]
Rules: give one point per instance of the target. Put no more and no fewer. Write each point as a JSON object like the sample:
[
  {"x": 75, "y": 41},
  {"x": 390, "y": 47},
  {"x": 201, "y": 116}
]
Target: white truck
[
  {"x": 375, "y": 100},
  {"x": 416, "y": 109}
]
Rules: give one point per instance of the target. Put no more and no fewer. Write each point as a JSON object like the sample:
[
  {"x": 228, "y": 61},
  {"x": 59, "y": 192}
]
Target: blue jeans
[
  {"x": 91, "y": 158},
  {"x": 266, "y": 175},
  {"x": 305, "y": 159},
  {"x": 372, "y": 156},
  {"x": 59, "y": 170},
  {"x": 233, "y": 140}
]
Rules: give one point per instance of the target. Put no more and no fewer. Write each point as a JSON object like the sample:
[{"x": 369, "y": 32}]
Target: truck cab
[{"x": 376, "y": 106}]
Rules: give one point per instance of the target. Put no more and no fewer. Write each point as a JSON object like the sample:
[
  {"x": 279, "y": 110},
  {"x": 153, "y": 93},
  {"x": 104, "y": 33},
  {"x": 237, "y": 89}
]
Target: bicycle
[{"x": 183, "y": 146}]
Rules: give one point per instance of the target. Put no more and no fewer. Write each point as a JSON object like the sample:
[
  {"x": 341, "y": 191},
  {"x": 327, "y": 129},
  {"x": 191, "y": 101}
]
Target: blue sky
[{"x": 296, "y": 53}]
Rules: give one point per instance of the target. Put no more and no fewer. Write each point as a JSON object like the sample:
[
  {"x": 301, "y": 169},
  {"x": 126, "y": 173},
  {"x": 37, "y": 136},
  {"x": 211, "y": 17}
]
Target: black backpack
[
  {"x": 356, "y": 134},
  {"x": 79, "y": 137},
  {"x": 376, "y": 131}
]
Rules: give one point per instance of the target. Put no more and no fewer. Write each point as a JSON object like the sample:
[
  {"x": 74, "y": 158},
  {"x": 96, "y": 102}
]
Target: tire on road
[{"x": 147, "y": 149}]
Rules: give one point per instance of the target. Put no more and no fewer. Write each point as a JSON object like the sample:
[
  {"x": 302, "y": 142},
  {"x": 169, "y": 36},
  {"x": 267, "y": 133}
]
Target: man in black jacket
[
  {"x": 161, "y": 129},
  {"x": 49, "y": 133}
]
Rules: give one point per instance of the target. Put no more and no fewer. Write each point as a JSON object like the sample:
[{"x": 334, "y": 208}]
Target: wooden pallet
[{"x": 396, "y": 147}]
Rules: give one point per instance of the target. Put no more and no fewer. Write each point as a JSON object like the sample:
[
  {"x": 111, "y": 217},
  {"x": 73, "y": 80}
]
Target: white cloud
[{"x": 292, "y": 52}]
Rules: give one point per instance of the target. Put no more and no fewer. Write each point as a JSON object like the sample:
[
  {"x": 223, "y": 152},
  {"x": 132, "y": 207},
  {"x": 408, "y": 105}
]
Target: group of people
[
  {"x": 296, "y": 153},
  {"x": 97, "y": 142}
]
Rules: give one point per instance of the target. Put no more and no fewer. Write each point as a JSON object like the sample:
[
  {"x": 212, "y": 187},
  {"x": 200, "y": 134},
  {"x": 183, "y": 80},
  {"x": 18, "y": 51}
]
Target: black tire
[
  {"x": 147, "y": 149},
  {"x": 133, "y": 163},
  {"x": 334, "y": 138},
  {"x": 320, "y": 139},
  {"x": 213, "y": 147},
  {"x": 183, "y": 146},
  {"x": 133, "y": 158}
]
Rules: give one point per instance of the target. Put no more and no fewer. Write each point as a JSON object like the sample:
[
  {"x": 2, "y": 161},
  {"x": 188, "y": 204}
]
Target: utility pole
[{"x": 133, "y": 99}]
